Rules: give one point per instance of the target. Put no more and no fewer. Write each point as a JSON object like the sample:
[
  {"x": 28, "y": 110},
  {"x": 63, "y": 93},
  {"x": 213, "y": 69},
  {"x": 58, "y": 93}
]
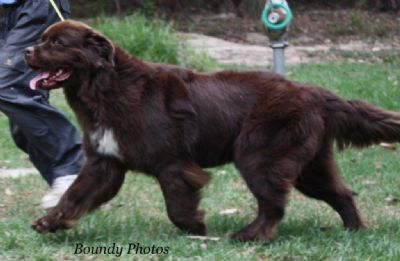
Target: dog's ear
[{"x": 102, "y": 46}]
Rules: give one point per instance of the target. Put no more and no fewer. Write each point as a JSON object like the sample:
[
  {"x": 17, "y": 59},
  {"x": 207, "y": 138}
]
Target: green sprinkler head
[{"x": 276, "y": 16}]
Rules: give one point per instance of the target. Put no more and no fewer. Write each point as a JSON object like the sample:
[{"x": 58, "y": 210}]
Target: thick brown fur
[{"x": 170, "y": 122}]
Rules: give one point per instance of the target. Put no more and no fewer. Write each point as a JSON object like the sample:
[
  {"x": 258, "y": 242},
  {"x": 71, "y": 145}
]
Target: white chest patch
[{"x": 104, "y": 143}]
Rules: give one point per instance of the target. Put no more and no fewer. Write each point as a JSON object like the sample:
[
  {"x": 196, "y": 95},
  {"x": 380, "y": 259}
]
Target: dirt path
[{"x": 227, "y": 52}]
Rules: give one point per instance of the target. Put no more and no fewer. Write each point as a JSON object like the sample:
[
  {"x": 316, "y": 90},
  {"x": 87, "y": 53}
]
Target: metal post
[
  {"x": 279, "y": 57},
  {"x": 276, "y": 18}
]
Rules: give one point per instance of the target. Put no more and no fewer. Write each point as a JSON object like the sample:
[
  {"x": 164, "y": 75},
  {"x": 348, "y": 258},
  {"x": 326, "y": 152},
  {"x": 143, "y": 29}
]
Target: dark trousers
[{"x": 43, "y": 132}]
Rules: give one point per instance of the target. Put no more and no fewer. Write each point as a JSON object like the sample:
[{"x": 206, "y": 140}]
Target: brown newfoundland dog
[{"x": 171, "y": 122}]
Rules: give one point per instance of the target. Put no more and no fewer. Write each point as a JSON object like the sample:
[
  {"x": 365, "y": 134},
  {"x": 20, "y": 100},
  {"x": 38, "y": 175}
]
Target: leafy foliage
[{"x": 152, "y": 40}]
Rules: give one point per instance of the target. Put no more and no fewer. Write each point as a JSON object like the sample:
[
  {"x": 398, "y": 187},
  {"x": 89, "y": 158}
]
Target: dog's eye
[{"x": 56, "y": 42}]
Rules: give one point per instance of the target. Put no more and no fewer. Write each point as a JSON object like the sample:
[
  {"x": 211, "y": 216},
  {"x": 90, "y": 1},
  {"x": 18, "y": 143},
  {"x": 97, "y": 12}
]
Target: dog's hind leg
[
  {"x": 270, "y": 173},
  {"x": 269, "y": 179},
  {"x": 320, "y": 180},
  {"x": 273, "y": 147},
  {"x": 99, "y": 181},
  {"x": 181, "y": 185}
]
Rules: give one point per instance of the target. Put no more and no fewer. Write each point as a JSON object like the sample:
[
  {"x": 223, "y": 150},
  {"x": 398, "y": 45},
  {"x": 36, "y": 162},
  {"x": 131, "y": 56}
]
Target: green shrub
[
  {"x": 148, "y": 7},
  {"x": 356, "y": 21},
  {"x": 151, "y": 40}
]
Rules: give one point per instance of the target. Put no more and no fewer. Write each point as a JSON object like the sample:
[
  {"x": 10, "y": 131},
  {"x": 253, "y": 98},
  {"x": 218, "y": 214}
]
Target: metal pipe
[
  {"x": 279, "y": 60},
  {"x": 279, "y": 56}
]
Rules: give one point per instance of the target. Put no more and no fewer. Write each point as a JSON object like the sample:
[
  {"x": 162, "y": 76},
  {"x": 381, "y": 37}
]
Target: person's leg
[
  {"x": 41, "y": 164},
  {"x": 43, "y": 132},
  {"x": 22, "y": 143}
]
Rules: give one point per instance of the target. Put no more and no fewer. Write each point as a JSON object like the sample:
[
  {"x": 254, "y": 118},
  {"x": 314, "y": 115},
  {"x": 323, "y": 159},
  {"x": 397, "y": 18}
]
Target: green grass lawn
[{"x": 309, "y": 231}]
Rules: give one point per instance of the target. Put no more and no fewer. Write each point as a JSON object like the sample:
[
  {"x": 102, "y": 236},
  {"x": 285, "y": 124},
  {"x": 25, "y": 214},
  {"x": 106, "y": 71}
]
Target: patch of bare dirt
[
  {"x": 228, "y": 52},
  {"x": 314, "y": 35}
]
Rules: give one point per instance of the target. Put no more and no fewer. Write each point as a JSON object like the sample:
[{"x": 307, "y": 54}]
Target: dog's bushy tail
[{"x": 358, "y": 123}]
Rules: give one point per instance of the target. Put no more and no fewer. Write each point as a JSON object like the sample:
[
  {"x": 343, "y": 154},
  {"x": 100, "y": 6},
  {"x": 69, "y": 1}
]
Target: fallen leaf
[
  {"x": 228, "y": 211},
  {"x": 204, "y": 238},
  {"x": 368, "y": 182},
  {"x": 391, "y": 199},
  {"x": 26, "y": 194},
  {"x": 204, "y": 245},
  {"x": 387, "y": 146}
]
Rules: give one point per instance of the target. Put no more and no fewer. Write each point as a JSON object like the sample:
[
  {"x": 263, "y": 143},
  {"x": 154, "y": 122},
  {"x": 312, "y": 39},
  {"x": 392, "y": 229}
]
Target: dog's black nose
[{"x": 29, "y": 51}]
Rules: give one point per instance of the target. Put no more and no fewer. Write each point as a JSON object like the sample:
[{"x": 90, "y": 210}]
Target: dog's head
[{"x": 68, "y": 49}]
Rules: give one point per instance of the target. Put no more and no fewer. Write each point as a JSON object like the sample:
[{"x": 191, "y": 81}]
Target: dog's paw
[
  {"x": 356, "y": 226},
  {"x": 245, "y": 237},
  {"x": 51, "y": 223},
  {"x": 249, "y": 234},
  {"x": 198, "y": 229}
]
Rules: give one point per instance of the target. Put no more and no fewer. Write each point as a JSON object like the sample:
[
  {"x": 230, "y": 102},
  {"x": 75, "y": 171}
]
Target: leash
[{"x": 57, "y": 10}]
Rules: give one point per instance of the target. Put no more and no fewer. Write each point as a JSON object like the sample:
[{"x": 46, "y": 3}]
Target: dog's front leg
[
  {"x": 99, "y": 181},
  {"x": 181, "y": 186}
]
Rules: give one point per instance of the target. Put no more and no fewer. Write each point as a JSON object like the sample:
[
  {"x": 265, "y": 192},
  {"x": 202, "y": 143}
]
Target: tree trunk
[{"x": 117, "y": 6}]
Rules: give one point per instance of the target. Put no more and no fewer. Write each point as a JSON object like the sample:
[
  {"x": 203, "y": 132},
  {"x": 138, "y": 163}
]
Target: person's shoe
[{"x": 60, "y": 185}]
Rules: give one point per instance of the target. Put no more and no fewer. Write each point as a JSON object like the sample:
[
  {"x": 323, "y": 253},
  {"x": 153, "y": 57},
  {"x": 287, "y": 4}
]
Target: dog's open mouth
[{"x": 49, "y": 80}]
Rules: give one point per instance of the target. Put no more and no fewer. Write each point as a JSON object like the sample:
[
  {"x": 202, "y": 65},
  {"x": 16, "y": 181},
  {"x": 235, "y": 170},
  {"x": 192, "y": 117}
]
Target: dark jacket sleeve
[{"x": 32, "y": 18}]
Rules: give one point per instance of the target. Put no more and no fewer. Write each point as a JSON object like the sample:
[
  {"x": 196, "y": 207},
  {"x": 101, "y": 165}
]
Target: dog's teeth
[{"x": 59, "y": 72}]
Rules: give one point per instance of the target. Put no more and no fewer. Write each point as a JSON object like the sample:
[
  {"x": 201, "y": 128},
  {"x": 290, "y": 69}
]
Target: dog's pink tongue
[{"x": 34, "y": 82}]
